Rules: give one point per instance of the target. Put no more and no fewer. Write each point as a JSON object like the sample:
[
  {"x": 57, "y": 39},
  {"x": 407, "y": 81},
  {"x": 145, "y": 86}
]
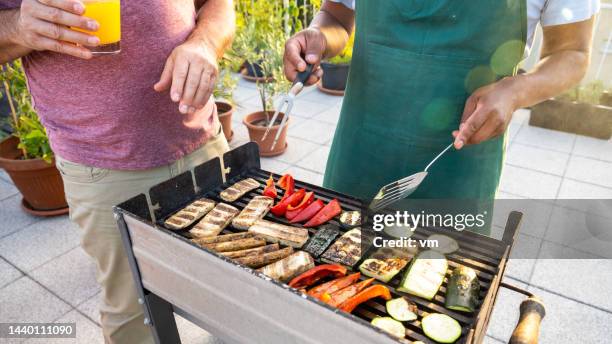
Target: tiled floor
[{"x": 45, "y": 276}]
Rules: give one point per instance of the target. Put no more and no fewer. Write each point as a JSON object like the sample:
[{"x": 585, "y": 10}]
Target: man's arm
[
  {"x": 565, "y": 58},
  {"x": 9, "y": 50},
  {"x": 325, "y": 37},
  {"x": 191, "y": 70}
]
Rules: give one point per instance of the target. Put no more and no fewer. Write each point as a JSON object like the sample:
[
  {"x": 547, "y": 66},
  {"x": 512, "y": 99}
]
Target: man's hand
[
  {"x": 309, "y": 43},
  {"x": 487, "y": 113},
  {"x": 190, "y": 73},
  {"x": 45, "y": 25}
]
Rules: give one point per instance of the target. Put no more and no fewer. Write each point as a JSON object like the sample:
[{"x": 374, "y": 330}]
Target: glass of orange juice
[{"x": 108, "y": 15}]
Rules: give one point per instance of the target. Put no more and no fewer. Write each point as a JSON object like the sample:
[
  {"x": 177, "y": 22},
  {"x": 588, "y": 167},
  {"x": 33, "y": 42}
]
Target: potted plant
[
  {"x": 224, "y": 97},
  {"x": 581, "y": 110},
  {"x": 26, "y": 155},
  {"x": 335, "y": 71}
]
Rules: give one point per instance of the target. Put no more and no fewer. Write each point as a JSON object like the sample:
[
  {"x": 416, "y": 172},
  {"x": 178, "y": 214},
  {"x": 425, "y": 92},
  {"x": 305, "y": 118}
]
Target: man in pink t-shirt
[{"x": 120, "y": 123}]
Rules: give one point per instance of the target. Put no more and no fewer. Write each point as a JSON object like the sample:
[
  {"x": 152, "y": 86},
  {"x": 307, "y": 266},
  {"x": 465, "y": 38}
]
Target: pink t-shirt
[{"x": 104, "y": 112}]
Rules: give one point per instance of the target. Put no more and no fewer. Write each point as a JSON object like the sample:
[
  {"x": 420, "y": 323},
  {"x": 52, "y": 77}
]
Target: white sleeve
[
  {"x": 348, "y": 3},
  {"x": 558, "y": 12}
]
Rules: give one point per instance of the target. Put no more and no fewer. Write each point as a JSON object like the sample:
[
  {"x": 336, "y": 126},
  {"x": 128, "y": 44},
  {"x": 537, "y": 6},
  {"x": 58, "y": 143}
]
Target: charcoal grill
[{"x": 240, "y": 305}]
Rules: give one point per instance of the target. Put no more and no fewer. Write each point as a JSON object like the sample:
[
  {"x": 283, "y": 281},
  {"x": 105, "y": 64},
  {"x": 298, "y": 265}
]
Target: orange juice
[{"x": 108, "y": 15}]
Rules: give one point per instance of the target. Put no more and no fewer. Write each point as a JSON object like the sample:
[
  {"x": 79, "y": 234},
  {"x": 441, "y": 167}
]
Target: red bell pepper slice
[
  {"x": 317, "y": 273},
  {"x": 333, "y": 286},
  {"x": 331, "y": 210},
  {"x": 294, "y": 211},
  {"x": 294, "y": 199},
  {"x": 270, "y": 189},
  {"x": 310, "y": 211},
  {"x": 378, "y": 290},
  {"x": 287, "y": 183},
  {"x": 344, "y": 294}
]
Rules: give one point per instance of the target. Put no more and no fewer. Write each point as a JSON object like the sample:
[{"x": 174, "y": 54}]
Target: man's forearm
[
  {"x": 335, "y": 22},
  {"x": 215, "y": 25},
  {"x": 9, "y": 50}
]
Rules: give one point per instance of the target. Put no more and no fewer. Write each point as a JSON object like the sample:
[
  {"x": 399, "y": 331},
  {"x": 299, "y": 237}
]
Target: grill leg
[{"x": 162, "y": 320}]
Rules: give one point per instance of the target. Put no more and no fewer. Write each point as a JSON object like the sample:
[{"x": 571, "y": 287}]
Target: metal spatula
[
  {"x": 402, "y": 188},
  {"x": 287, "y": 103}
]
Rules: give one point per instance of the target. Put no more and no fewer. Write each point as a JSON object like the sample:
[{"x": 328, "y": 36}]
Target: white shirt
[{"x": 545, "y": 12}]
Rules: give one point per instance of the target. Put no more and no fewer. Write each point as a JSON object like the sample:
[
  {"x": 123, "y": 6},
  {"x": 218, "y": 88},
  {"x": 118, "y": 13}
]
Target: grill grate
[{"x": 485, "y": 255}]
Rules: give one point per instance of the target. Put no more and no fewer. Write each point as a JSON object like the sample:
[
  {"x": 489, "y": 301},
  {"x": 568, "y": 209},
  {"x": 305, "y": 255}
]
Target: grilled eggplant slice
[
  {"x": 275, "y": 232},
  {"x": 385, "y": 263},
  {"x": 239, "y": 189},
  {"x": 215, "y": 221},
  {"x": 190, "y": 214},
  {"x": 463, "y": 290},
  {"x": 257, "y": 261},
  {"x": 321, "y": 240},
  {"x": 222, "y": 238},
  {"x": 285, "y": 269},
  {"x": 257, "y": 208},
  {"x": 346, "y": 250},
  {"x": 236, "y": 245},
  {"x": 251, "y": 251},
  {"x": 350, "y": 219}
]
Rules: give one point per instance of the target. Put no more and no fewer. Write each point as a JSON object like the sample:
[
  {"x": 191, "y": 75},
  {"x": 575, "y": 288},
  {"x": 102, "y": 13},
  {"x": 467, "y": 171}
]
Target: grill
[{"x": 239, "y": 305}]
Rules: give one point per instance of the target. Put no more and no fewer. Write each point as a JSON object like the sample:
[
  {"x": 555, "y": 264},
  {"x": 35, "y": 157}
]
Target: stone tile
[
  {"x": 13, "y": 218},
  {"x": 593, "y": 148},
  {"x": 241, "y": 94},
  {"x": 546, "y": 138},
  {"x": 512, "y": 131},
  {"x": 521, "y": 116},
  {"x": 536, "y": 214},
  {"x": 306, "y": 176},
  {"x": 307, "y": 109},
  {"x": 244, "y": 83},
  {"x": 193, "y": 334},
  {"x": 7, "y": 190},
  {"x": 296, "y": 150},
  {"x": 590, "y": 171},
  {"x": 241, "y": 136},
  {"x": 7, "y": 273},
  {"x": 331, "y": 115},
  {"x": 538, "y": 159},
  {"x": 72, "y": 276},
  {"x": 491, "y": 340},
  {"x": 91, "y": 307},
  {"x": 313, "y": 131},
  {"x": 568, "y": 321},
  {"x": 273, "y": 165},
  {"x": 86, "y": 331},
  {"x": 36, "y": 245},
  {"x": 580, "y": 276},
  {"x": 316, "y": 161},
  {"x": 26, "y": 301},
  {"x": 572, "y": 189},
  {"x": 319, "y": 97},
  {"x": 530, "y": 184},
  {"x": 523, "y": 257},
  {"x": 4, "y": 176},
  {"x": 505, "y": 313}
]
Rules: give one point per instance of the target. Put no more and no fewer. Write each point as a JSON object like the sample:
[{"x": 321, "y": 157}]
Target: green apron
[{"x": 415, "y": 62}]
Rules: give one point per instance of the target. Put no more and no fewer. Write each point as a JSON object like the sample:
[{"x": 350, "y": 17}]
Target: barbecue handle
[{"x": 527, "y": 330}]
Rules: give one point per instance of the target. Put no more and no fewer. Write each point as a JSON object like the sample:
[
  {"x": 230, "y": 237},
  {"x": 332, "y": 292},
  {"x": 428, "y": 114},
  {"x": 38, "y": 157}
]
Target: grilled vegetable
[
  {"x": 401, "y": 309},
  {"x": 287, "y": 268},
  {"x": 257, "y": 261},
  {"x": 383, "y": 269},
  {"x": 222, "y": 238},
  {"x": 333, "y": 286},
  {"x": 276, "y": 232},
  {"x": 371, "y": 292},
  {"x": 287, "y": 183},
  {"x": 350, "y": 218},
  {"x": 256, "y": 209},
  {"x": 190, "y": 214},
  {"x": 463, "y": 290},
  {"x": 239, "y": 189},
  {"x": 295, "y": 198},
  {"x": 391, "y": 326},
  {"x": 337, "y": 298},
  {"x": 215, "y": 221},
  {"x": 321, "y": 240},
  {"x": 331, "y": 210},
  {"x": 424, "y": 275},
  {"x": 236, "y": 245},
  {"x": 317, "y": 273},
  {"x": 441, "y": 328},
  {"x": 293, "y": 211},
  {"x": 251, "y": 251},
  {"x": 446, "y": 245},
  {"x": 270, "y": 189},
  {"x": 346, "y": 250},
  {"x": 307, "y": 213}
]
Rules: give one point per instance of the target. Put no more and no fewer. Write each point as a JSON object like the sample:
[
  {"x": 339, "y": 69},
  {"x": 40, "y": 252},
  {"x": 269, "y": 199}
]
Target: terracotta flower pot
[
  {"x": 39, "y": 182},
  {"x": 254, "y": 123},
  {"x": 225, "y": 111}
]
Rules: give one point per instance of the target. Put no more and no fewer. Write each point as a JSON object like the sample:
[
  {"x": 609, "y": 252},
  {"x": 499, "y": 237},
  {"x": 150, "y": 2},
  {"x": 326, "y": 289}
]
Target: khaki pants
[{"x": 91, "y": 192}]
